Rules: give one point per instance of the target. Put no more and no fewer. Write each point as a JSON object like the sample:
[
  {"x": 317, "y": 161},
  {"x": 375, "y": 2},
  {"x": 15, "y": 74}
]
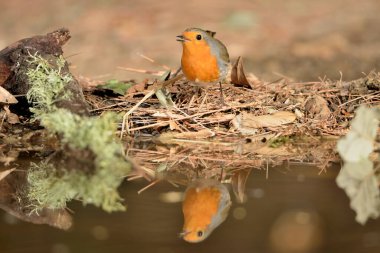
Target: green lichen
[
  {"x": 47, "y": 84},
  {"x": 51, "y": 187}
]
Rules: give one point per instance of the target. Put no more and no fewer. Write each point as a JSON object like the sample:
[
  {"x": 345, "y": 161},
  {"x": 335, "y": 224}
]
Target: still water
[{"x": 285, "y": 209}]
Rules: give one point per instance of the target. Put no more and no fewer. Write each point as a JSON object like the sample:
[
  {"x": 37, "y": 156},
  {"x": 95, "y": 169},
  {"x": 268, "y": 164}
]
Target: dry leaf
[
  {"x": 5, "y": 173},
  {"x": 238, "y": 77},
  {"x": 11, "y": 117},
  {"x": 137, "y": 88},
  {"x": 6, "y": 97},
  {"x": 317, "y": 108},
  {"x": 202, "y": 134},
  {"x": 247, "y": 123}
]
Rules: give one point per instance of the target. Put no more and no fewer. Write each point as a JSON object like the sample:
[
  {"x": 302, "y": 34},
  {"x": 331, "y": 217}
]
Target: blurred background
[{"x": 302, "y": 40}]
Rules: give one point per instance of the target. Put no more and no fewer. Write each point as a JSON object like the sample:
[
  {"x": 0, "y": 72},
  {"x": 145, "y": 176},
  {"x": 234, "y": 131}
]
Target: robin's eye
[
  {"x": 199, "y": 37},
  {"x": 200, "y": 233}
]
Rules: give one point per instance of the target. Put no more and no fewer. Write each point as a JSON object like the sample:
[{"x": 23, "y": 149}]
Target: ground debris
[{"x": 321, "y": 108}]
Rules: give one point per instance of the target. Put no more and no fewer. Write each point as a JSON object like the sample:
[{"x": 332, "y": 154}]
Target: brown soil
[{"x": 300, "y": 39}]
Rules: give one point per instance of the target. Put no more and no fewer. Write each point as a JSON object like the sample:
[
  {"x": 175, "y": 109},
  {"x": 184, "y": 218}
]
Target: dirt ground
[{"x": 303, "y": 40}]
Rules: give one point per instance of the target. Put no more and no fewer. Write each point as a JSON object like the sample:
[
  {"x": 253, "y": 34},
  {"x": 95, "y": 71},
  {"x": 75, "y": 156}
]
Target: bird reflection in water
[{"x": 205, "y": 206}]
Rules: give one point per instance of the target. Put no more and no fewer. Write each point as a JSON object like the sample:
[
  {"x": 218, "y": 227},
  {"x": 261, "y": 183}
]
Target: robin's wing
[
  {"x": 222, "y": 52},
  {"x": 211, "y": 33}
]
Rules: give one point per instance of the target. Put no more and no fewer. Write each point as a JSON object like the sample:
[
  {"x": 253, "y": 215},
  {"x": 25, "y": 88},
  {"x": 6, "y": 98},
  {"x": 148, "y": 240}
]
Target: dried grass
[{"x": 322, "y": 108}]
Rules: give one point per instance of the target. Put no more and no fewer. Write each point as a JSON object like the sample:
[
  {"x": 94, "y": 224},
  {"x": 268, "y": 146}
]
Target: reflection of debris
[
  {"x": 14, "y": 201},
  {"x": 239, "y": 178},
  {"x": 357, "y": 176},
  {"x": 49, "y": 187},
  {"x": 225, "y": 158},
  {"x": 5, "y": 173},
  {"x": 93, "y": 165},
  {"x": 8, "y": 157}
]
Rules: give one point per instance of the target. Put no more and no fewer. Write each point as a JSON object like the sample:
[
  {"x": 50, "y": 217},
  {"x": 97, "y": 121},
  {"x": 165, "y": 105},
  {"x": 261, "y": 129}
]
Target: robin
[
  {"x": 204, "y": 58},
  {"x": 205, "y": 206}
]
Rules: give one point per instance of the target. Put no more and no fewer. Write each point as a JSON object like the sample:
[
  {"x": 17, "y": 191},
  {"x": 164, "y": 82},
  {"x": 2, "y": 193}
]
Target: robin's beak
[
  {"x": 182, "y": 38},
  {"x": 183, "y": 234}
]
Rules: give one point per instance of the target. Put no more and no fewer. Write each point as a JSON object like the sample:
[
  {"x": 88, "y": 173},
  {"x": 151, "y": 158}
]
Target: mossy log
[{"x": 15, "y": 63}]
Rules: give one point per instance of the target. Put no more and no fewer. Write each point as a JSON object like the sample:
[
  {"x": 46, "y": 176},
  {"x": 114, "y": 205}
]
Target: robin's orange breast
[
  {"x": 199, "y": 64},
  {"x": 199, "y": 206}
]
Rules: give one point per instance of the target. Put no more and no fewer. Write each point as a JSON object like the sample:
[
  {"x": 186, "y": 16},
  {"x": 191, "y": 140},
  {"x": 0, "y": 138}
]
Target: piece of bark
[{"x": 15, "y": 63}]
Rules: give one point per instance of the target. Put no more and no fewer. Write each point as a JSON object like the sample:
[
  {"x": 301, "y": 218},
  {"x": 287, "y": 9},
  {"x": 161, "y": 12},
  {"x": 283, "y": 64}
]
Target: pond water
[{"x": 286, "y": 209}]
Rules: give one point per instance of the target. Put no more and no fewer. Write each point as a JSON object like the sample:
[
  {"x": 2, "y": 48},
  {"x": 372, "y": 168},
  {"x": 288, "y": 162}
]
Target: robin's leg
[
  {"x": 221, "y": 94},
  {"x": 177, "y": 72}
]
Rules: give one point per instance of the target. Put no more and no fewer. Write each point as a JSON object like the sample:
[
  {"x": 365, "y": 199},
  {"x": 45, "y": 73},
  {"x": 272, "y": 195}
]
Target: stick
[{"x": 148, "y": 95}]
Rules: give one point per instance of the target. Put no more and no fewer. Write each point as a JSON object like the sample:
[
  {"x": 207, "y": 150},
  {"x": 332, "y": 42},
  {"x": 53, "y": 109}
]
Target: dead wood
[{"x": 15, "y": 63}]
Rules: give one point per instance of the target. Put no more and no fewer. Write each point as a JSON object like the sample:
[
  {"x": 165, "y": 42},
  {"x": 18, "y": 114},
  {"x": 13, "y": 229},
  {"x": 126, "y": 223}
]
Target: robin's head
[
  {"x": 196, "y": 37},
  {"x": 205, "y": 206},
  {"x": 195, "y": 234}
]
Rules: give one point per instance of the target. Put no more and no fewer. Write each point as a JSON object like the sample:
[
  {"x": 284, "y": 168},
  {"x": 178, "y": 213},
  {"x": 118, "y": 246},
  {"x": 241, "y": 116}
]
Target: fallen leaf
[
  {"x": 247, "y": 123},
  {"x": 5, "y": 173},
  {"x": 238, "y": 76},
  {"x": 202, "y": 134},
  {"x": 137, "y": 88},
  {"x": 317, "y": 108},
  {"x": 6, "y": 97}
]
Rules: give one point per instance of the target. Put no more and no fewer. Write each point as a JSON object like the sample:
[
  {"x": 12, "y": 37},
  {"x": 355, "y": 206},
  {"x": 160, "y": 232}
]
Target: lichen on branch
[{"x": 52, "y": 185}]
